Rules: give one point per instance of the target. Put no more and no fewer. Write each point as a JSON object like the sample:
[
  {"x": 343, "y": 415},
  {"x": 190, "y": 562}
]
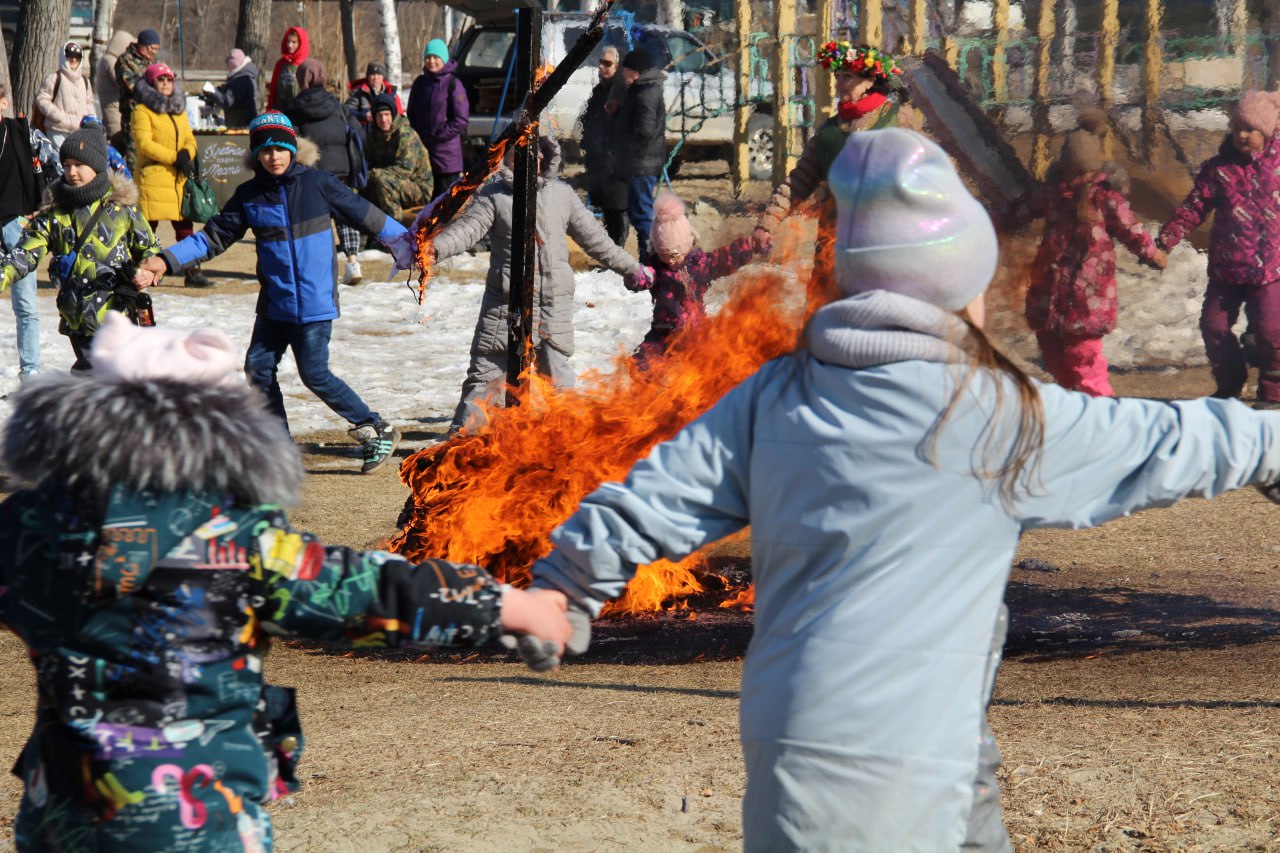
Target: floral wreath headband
[{"x": 837, "y": 56}]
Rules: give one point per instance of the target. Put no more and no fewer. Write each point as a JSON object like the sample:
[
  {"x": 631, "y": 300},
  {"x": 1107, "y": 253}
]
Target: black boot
[{"x": 195, "y": 278}]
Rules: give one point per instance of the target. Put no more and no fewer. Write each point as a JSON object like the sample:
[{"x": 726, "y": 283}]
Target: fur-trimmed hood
[
  {"x": 124, "y": 192},
  {"x": 308, "y": 155},
  {"x": 85, "y": 435},
  {"x": 146, "y": 94}
]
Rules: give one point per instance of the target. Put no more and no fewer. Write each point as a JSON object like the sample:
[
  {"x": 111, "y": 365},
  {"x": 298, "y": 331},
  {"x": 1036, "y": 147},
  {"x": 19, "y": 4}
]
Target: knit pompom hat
[
  {"x": 129, "y": 353},
  {"x": 906, "y": 223},
  {"x": 272, "y": 129},
  {"x": 1258, "y": 110},
  {"x": 671, "y": 234},
  {"x": 89, "y": 146}
]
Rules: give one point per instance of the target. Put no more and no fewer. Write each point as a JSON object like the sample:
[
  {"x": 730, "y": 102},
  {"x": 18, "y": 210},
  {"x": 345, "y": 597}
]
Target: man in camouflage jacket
[{"x": 399, "y": 166}]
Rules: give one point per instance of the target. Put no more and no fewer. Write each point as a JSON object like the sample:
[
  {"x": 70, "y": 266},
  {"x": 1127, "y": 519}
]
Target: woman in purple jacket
[{"x": 438, "y": 111}]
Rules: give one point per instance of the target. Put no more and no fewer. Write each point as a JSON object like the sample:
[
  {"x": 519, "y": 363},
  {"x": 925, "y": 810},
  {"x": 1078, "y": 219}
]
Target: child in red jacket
[
  {"x": 1071, "y": 300},
  {"x": 682, "y": 272}
]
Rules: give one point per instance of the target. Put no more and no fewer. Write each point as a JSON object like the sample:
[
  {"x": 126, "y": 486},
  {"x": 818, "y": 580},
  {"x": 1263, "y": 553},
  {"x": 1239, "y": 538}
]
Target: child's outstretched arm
[
  {"x": 26, "y": 256},
  {"x": 351, "y": 209},
  {"x": 225, "y": 228},
  {"x": 374, "y": 598},
  {"x": 1191, "y": 212},
  {"x": 1122, "y": 225},
  {"x": 729, "y": 258},
  {"x": 588, "y": 233},
  {"x": 465, "y": 231}
]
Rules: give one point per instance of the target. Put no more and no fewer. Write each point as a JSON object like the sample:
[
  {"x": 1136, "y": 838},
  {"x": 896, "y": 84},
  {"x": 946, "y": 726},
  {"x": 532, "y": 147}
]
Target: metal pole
[{"x": 524, "y": 209}]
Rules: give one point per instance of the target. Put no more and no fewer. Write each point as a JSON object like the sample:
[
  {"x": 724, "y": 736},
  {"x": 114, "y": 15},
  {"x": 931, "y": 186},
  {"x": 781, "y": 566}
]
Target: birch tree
[
  {"x": 102, "y": 14},
  {"x": 391, "y": 40}
]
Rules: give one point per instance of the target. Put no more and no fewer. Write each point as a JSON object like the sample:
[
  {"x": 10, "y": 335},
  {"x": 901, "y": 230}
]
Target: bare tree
[
  {"x": 101, "y": 32},
  {"x": 347, "y": 9},
  {"x": 671, "y": 13},
  {"x": 4, "y": 79},
  {"x": 253, "y": 31},
  {"x": 390, "y": 40},
  {"x": 42, "y": 28}
]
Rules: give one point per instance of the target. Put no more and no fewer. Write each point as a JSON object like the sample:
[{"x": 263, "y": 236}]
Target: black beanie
[
  {"x": 89, "y": 146},
  {"x": 638, "y": 59},
  {"x": 386, "y": 101}
]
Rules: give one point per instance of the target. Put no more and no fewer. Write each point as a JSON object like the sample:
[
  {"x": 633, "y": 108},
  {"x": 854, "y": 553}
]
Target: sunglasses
[
  {"x": 164, "y": 77},
  {"x": 607, "y": 63}
]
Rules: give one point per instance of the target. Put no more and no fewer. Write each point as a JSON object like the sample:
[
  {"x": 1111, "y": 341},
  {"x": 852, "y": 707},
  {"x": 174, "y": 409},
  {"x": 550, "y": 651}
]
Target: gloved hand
[
  {"x": 404, "y": 248},
  {"x": 541, "y": 655},
  {"x": 641, "y": 279},
  {"x": 208, "y": 87},
  {"x": 184, "y": 163}
]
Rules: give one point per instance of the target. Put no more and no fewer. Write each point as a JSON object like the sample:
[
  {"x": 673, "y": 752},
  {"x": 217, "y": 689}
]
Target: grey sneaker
[
  {"x": 351, "y": 273},
  {"x": 378, "y": 442}
]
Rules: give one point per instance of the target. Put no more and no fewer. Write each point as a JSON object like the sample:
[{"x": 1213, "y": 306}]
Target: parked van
[{"x": 700, "y": 90}]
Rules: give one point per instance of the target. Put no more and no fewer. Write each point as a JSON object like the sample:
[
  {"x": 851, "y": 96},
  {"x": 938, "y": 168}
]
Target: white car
[{"x": 699, "y": 91}]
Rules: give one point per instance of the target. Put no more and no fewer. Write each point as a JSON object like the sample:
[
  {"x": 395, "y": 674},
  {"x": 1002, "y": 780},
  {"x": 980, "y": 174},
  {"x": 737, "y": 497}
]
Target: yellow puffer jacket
[{"x": 160, "y": 129}]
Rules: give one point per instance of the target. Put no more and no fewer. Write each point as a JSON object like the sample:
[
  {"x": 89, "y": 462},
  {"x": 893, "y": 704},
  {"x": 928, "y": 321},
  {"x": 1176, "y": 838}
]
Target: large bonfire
[{"x": 494, "y": 498}]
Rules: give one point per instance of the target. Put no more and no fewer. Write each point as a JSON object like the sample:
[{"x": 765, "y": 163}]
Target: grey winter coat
[
  {"x": 640, "y": 128},
  {"x": 560, "y": 213}
]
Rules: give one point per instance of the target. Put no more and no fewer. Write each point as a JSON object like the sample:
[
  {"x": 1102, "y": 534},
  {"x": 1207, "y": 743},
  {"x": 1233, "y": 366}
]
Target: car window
[{"x": 489, "y": 49}]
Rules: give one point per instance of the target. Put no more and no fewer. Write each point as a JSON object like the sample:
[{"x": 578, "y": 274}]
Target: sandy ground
[{"x": 1137, "y": 707}]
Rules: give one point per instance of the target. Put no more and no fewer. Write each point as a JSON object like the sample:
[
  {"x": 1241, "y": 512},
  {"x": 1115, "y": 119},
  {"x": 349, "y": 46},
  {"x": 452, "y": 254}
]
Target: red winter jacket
[
  {"x": 1073, "y": 285},
  {"x": 1244, "y": 245}
]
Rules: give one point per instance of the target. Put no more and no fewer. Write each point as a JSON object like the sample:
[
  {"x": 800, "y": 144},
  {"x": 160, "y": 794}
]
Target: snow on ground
[{"x": 408, "y": 361}]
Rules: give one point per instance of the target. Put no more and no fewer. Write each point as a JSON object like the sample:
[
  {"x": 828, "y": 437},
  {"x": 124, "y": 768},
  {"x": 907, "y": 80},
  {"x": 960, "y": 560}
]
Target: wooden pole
[
  {"x": 918, "y": 29},
  {"x": 784, "y": 90},
  {"x": 1152, "y": 65},
  {"x": 824, "y": 91},
  {"x": 524, "y": 212},
  {"x": 740, "y": 164},
  {"x": 870, "y": 22},
  {"x": 1040, "y": 127},
  {"x": 1107, "y": 43},
  {"x": 999, "y": 65}
]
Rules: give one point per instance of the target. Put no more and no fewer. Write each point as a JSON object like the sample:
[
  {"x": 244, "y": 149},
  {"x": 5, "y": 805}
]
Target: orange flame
[{"x": 493, "y": 498}]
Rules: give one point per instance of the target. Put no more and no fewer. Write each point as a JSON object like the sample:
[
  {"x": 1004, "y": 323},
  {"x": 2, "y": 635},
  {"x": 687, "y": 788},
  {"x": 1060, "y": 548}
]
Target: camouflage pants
[{"x": 392, "y": 193}]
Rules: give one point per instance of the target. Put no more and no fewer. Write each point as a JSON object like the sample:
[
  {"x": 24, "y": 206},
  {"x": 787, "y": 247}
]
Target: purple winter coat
[
  {"x": 1244, "y": 192},
  {"x": 438, "y": 110},
  {"x": 678, "y": 291}
]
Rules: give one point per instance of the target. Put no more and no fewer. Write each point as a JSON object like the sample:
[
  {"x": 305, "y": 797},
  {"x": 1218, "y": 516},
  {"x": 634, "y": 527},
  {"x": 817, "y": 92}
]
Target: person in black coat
[
  {"x": 319, "y": 116},
  {"x": 605, "y": 190},
  {"x": 640, "y": 140},
  {"x": 238, "y": 97},
  {"x": 20, "y": 189}
]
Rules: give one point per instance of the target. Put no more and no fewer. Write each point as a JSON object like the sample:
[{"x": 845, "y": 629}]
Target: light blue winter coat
[{"x": 878, "y": 574}]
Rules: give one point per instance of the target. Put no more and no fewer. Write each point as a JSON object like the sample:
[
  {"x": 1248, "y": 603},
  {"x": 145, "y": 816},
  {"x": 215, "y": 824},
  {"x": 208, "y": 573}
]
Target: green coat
[{"x": 120, "y": 238}]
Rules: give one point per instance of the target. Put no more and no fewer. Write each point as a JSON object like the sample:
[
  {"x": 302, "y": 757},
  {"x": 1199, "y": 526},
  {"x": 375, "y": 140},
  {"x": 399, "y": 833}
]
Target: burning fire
[{"x": 493, "y": 498}]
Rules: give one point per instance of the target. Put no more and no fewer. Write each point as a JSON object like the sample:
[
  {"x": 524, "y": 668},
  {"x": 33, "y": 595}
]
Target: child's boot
[
  {"x": 378, "y": 441},
  {"x": 194, "y": 277}
]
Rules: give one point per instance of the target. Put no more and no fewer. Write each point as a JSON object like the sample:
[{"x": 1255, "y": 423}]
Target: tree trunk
[
  {"x": 102, "y": 13},
  {"x": 253, "y": 35},
  {"x": 671, "y": 13},
  {"x": 391, "y": 40},
  {"x": 348, "y": 11},
  {"x": 4, "y": 81},
  {"x": 42, "y": 29}
]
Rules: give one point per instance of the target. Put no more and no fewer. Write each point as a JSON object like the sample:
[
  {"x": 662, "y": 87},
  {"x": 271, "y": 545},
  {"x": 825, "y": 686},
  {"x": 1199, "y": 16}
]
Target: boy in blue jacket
[{"x": 290, "y": 207}]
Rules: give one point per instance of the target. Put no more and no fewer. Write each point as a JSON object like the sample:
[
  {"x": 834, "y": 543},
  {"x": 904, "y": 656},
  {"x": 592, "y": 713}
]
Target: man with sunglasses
[{"x": 604, "y": 190}]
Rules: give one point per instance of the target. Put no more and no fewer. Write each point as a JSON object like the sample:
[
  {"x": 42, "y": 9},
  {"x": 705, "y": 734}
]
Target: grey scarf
[{"x": 879, "y": 327}]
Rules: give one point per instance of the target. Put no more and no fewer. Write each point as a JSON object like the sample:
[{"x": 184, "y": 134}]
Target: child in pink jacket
[
  {"x": 1071, "y": 300},
  {"x": 682, "y": 272},
  {"x": 1242, "y": 185}
]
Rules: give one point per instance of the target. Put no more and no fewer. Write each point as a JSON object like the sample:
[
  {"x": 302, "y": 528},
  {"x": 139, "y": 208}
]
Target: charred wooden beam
[{"x": 524, "y": 209}]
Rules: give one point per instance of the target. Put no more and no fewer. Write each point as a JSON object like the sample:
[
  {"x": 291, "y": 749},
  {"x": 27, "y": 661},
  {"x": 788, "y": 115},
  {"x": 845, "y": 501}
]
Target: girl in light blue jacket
[{"x": 887, "y": 472}]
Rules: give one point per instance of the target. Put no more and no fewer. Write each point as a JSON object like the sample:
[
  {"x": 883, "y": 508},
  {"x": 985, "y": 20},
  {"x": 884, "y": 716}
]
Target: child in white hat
[
  {"x": 146, "y": 586},
  {"x": 887, "y": 472}
]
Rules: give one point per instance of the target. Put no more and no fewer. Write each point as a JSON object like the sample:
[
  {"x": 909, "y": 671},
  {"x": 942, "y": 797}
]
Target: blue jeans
[
  {"x": 640, "y": 210},
  {"x": 310, "y": 345},
  {"x": 25, "y": 309}
]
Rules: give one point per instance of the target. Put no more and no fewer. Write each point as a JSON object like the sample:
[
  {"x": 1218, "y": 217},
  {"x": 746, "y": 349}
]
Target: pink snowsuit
[
  {"x": 1071, "y": 300},
  {"x": 678, "y": 291},
  {"x": 1244, "y": 261}
]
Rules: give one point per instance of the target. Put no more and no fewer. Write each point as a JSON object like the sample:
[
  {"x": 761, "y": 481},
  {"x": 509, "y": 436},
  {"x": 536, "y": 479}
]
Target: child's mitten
[{"x": 641, "y": 279}]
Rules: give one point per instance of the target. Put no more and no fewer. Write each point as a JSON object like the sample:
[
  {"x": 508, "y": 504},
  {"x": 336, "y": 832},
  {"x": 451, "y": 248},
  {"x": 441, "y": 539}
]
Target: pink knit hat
[
  {"x": 1259, "y": 110},
  {"x": 129, "y": 353},
  {"x": 671, "y": 232},
  {"x": 155, "y": 71}
]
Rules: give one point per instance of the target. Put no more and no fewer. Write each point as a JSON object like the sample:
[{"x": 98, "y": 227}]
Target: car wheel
[{"x": 760, "y": 147}]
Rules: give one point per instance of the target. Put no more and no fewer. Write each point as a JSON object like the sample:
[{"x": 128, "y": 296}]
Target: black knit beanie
[
  {"x": 638, "y": 59},
  {"x": 89, "y": 146}
]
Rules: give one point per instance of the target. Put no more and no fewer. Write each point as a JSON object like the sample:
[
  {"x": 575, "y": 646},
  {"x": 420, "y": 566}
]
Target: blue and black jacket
[{"x": 291, "y": 217}]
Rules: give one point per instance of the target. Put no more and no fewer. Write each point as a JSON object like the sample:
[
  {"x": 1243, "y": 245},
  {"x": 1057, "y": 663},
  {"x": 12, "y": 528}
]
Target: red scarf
[{"x": 853, "y": 110}]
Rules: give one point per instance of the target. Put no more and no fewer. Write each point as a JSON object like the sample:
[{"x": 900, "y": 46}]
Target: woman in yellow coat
[{"x": 166, "y": 152}]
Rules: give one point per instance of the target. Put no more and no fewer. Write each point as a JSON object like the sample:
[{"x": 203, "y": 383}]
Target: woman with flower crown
[{"x": 870, "y": 95}]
